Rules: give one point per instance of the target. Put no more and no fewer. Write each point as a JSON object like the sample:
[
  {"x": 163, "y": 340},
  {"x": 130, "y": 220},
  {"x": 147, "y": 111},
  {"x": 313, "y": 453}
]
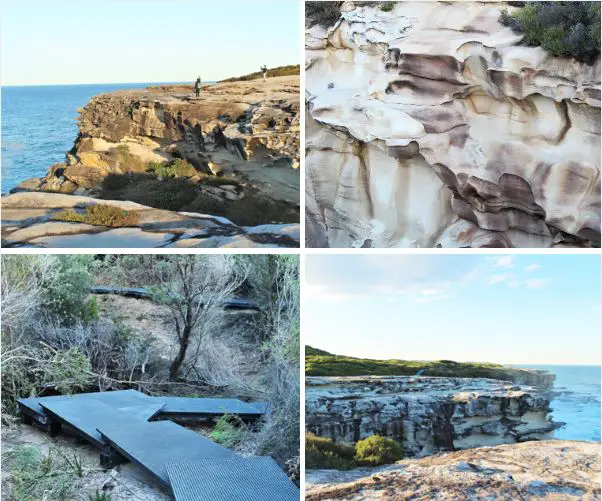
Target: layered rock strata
[
  {"x": 427, "y": 414},
  {"x": 547, "y": 470},
  {"x": 431, "y": 126},
  {"x": 31, "y": 220}
]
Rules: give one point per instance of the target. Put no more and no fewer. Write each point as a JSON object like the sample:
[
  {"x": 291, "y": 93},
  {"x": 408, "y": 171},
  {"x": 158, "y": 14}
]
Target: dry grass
[{"x": 100, "y": 215}]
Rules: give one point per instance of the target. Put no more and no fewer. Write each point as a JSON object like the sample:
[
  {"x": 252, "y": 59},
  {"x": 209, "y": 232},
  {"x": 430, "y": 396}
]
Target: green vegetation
[
  {"x": 376, "y": 450},
  {"x": 178, "y": 194},
  {"x": 324, "y": 453},
  {"x": 35, "y": 476},
  {"x": 177, "y": 168},
  {"x": 280, "y": 71},
  {"x": 319, "y": 364},
  {"x": 100, "y": 215},
  {"x": 567, "y": 29},
  {"x": 99, "y": 496},
  {"x": 387, "y": 6},
  {"x": 64, "y": 294},
  {"x": 229, "y": 431},
  {"x": 323, "y": 13}
]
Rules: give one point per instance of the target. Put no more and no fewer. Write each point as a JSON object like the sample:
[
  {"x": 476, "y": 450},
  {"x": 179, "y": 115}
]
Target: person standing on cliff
[
  {"x": 197, "y": 86},
  {"x": 264, "y": 70}
]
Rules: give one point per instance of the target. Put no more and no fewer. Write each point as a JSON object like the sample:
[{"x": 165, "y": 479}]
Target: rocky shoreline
[
  {"x": 227, "y": 160},
  {"x": 551, "y": 469},
  {"x": 427, "y": 414}
]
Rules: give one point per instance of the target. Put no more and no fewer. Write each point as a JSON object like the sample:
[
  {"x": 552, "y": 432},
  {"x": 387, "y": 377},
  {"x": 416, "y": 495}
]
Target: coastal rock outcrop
[
  {"x": 248, "y": 128},
  {"x": 427, "y": 414},
  {"x": 33, "y": 219},
  {"x": 550, "y": 470},
  {"x": 429, "y": 125}
]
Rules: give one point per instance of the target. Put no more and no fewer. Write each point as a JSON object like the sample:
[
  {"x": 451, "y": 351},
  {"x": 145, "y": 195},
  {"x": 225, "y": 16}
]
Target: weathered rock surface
[
  {"x": 247, "y": 131},
  {"x": 430, "y": 125},
  {"x": 28, "y": 220},
  {"x": 548, "y": 470},
  {"x": 426, "y": 414}
]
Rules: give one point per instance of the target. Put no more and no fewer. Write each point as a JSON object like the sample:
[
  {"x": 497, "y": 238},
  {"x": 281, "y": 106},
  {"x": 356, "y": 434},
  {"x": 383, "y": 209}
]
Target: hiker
[
  {"x": 264, "y": 70},
  {"x": 197, "y": 86}
]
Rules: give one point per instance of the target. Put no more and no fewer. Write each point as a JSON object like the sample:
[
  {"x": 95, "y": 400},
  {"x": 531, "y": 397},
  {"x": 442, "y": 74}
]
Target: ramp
[
  {"x": 32, "y": 408},
  {"x": 150, "y": 445},
  {"x": 210, "y": 407},
  {"x": 232, "y": 479},
  {"x": 84, "y": 416}
]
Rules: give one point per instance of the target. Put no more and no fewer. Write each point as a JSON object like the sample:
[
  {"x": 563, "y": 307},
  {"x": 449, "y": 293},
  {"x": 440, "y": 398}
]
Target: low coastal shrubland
[
  {"x": 280, "y": 71},
  {"x": 322, "y": 363},
  {"x": 323, "y": 453},
  {"x": 568, "y": 29}
]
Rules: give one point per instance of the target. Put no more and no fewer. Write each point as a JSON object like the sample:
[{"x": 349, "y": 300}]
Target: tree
[{"x": 194, "y": 288}]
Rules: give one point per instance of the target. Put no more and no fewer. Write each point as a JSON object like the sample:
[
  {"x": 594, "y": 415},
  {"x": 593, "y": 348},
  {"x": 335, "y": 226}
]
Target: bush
[
  {"x": 323, "y": 453},
  {"x": 387, "y": 6},
  {"x": 229, "y": 431},
  {"x": 65, "y": 292},
  {"x": 177, "y": 168},
  {"x": 323, "y": 13},
  {"x": 566, "y": 29},
  {"x": 101, "y": 215},
  {"x": 376, "y": 450}
]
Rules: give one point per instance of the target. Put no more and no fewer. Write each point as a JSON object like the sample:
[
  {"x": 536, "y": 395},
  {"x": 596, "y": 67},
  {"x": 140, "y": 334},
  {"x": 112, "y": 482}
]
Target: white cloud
[
  {"x": 430, "y": 299},
  {"x": 532, "y": 267},
  {"x": 536, "y": 283},
  {"x": 498, "y": 279},
  {"x": 504, "y": 262}
]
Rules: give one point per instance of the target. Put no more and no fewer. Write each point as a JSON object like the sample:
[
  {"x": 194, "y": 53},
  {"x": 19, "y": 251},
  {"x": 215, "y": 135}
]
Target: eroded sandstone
[
  {"x": 547, "y": 470},
  {"x": 430, "y": 126},
  {"x": 29, "y": 219},
  {"x": 427, "y": 414}
]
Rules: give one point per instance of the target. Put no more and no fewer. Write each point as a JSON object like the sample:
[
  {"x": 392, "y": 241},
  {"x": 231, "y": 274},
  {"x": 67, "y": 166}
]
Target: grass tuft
[{"x": 100, "y": 215}]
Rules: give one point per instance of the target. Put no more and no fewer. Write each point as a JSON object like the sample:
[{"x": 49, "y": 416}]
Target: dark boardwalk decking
[{"x": 189, "y": 465}]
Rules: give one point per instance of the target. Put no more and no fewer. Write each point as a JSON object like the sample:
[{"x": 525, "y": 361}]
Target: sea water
[
  {"x": 576, "y": 400},
  {"x": 39, "y": 126}
]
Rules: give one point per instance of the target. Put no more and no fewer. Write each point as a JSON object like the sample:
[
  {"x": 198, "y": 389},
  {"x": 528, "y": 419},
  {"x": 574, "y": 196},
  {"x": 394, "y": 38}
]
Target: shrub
[
  {"x": 100, "y": 215},
  {"x": 177, "y": 168},
  {"x": 376, "y": 450},
  {"x": 567, "y": 29},
  {"x": 65, "y": 291},
  {"x": 323, "y": 13},
  {"x": 387, "y": 6},
  {"x": 229, "y": 431},
  {"x": 322, "y": 453}
]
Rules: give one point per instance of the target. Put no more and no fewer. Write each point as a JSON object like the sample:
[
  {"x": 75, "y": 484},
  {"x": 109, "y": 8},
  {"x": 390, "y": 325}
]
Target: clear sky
[
  {"x": 521, "y": 309},
  {"x": 115, "y": 41}
]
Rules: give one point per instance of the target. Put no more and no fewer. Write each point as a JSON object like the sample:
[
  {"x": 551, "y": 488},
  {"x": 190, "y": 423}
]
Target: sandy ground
[{"x": 125, "y": 482}]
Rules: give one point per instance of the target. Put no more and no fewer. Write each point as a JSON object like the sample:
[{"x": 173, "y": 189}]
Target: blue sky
[
  {"x": 114, "y": 41},
  {"x": 514, "y": 309}
]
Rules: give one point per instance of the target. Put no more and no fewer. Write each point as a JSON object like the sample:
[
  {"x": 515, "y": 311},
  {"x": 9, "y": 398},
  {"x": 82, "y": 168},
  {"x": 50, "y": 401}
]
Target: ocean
[
  {"x": 39, "y": 126},
  {"x": 576, "y": 400}
]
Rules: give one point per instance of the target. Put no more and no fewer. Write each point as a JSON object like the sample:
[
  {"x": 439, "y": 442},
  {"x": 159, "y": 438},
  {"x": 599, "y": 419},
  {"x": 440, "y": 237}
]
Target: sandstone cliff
[
  {"x": 430, "y": 125},
  {"x": 548, "y": 470},
  {"x": 231, "y": 153},
  {"x": 427, "y": 414}
]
